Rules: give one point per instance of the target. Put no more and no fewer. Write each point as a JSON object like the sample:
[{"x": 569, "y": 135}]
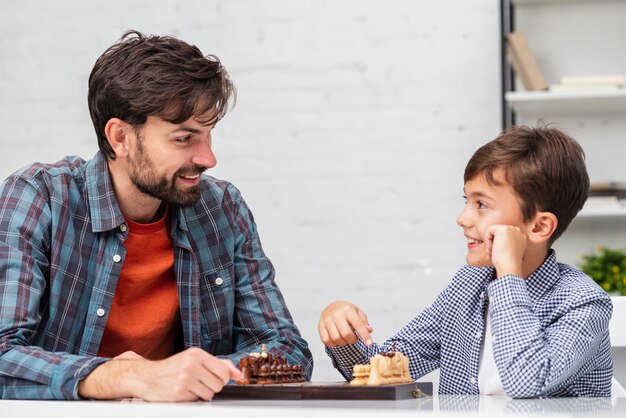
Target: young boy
[{"x": 513, "y": 320}]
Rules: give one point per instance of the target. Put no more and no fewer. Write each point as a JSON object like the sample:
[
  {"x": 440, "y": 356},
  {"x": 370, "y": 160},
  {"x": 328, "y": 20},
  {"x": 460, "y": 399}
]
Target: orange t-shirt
[{"x": 145, "y": 315}]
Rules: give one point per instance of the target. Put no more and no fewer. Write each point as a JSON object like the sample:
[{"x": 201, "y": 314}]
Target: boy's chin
[{"x": 478, "y": 261}]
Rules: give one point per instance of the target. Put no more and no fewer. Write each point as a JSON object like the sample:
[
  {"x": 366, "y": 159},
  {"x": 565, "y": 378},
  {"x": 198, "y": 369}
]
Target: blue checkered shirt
[
  {"x": 61, "y": 252},
  {"x": 550, "y": 334}
]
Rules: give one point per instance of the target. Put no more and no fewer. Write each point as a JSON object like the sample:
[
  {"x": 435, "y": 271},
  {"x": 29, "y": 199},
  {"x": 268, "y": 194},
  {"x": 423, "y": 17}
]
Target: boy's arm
[
  {"x": 506, "y": 245},
  {"x": 344, "y": 323},
  {"x": 420, "y": 341},
  {"x": 533, "y": 361},
  {"x": 345, "y": 331}
]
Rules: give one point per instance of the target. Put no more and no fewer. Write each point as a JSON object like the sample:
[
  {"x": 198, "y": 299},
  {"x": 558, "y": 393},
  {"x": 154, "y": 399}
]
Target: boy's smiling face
[{"x": 488, "y": 205}]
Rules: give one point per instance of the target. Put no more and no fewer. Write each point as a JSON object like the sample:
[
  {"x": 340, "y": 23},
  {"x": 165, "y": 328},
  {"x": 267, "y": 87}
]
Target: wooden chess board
[{"x": 329, "y": 390}]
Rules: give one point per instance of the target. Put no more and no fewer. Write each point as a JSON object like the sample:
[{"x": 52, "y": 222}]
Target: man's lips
[{"x": 190, "y": 176}]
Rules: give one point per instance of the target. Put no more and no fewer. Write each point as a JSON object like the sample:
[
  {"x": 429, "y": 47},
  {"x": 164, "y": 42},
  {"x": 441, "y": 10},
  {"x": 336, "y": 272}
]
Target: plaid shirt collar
[{"x": 103, "y": 208}]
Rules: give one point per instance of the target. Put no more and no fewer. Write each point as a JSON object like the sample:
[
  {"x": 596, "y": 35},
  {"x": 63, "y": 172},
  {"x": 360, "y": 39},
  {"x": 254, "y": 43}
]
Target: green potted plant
[{"x": 607, "y": 267}]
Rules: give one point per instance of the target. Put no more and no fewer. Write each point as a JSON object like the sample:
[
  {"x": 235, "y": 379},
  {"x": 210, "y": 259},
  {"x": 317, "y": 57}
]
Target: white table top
[{"x": 440, "y": 406}]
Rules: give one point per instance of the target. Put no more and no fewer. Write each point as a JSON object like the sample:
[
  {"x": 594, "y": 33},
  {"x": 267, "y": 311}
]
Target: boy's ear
[
  {"x": 116, "y": 132},
  {"x": 543, "y": 226}
]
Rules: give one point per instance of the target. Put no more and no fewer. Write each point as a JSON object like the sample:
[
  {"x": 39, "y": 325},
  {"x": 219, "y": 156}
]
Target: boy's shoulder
[{"x": 576, "y": 283}]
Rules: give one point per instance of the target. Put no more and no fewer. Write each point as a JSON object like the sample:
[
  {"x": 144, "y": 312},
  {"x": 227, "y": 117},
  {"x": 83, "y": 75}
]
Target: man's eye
[{"x": 184, "y": 139}]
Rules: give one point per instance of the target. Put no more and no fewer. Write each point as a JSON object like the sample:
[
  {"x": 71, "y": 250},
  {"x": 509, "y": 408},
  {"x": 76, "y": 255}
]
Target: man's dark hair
[
  {"x": 145, "y": 75},
  {"x": 544, "y": 166}
]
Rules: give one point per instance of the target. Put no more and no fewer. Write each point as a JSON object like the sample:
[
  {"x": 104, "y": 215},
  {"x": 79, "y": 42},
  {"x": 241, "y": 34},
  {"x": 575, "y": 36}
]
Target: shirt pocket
[{"x": 217, "y": 302}]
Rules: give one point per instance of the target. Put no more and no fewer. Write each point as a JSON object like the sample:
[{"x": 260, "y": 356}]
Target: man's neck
[{"x": 134, "y": 204}]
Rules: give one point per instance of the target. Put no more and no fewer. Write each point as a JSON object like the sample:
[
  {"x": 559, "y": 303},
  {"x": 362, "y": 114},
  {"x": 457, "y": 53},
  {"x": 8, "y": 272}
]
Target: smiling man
[{"x": 133, "y": 274}]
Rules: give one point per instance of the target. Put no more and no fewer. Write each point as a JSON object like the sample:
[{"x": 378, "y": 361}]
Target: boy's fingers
[
  {"x": 361, "y": 326},
  {"x": 336, "y": 336},
  {"x": 326, "y": 338}
]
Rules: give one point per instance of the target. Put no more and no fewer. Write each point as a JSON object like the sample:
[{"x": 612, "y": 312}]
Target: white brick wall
[{"x": 354, "y": 123}]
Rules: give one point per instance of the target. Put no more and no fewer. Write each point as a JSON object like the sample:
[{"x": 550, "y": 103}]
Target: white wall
[{"x": 354, "y": 123}]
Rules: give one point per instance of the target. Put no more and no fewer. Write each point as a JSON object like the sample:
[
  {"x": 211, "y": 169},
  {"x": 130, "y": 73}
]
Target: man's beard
[{"x": 143, "y": 177}]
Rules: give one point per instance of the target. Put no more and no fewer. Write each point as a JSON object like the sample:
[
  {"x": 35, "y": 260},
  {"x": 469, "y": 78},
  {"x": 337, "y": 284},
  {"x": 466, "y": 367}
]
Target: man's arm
[
  {"x": 26, "y": 370},
  {"x": 190, "y": 375},
  {"x": 261, "y": 315}
]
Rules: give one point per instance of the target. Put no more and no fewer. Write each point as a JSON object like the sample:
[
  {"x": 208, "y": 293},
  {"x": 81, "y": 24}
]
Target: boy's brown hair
[{"x": 544, "y": 166}]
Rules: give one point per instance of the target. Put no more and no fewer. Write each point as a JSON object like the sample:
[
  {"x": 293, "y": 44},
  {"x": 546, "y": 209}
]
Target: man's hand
[
  {"x": 505, "y": 245},
  {"x": 128, "y": 355},
  {"x": 190, "y": 375},
  {"x": 338, "y": 324}
]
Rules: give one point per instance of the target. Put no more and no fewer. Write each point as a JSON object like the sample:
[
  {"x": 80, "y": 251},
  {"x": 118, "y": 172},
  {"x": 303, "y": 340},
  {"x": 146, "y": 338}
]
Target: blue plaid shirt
[
  {"x": 550, "y": 334},
  {"x": 61, "y": 252}
]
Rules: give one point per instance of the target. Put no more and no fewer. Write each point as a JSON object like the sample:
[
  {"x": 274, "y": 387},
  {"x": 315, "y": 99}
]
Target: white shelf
[
  {"x": 610, "y": 211},
  {"x": 565, "y": 103},
  {"x": 537, "y": 2}
]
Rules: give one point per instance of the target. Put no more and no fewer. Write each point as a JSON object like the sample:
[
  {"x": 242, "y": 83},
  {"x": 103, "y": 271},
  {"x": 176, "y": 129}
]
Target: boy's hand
[
  {"x": 505, "y": 244},
  {"x": 338, "y": 324}
]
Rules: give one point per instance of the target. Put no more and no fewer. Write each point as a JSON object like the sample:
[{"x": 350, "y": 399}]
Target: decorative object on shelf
[
  {"x": 607, "y": 267},
  {"x": 524, "y": 63}
]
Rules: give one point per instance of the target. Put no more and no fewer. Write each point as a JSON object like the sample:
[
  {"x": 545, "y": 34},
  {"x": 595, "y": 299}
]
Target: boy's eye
[{"x": 481, "y": 205}]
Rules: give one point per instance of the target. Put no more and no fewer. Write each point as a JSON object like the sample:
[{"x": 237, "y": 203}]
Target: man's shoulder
[
  {"x": 217, "y": 190},
  {"x": 72, "y": 166}
]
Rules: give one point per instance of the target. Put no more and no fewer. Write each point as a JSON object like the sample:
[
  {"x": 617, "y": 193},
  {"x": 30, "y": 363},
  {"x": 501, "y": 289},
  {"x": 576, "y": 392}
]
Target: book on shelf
[
  {"x": 617, "y": 80},
  {"x": 569, "y": 83},
  {"x": 587, "y": 87},
  {"x": 524, "y": 63},
  {"x": 615, "y": 189}
]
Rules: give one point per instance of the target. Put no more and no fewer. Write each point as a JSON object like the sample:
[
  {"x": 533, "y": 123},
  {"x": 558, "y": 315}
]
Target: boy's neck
[{"x": 534, "y": 257}]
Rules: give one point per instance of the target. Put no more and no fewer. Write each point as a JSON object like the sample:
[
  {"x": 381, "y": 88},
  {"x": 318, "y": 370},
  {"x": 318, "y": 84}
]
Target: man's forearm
[
  {"x": 111, "y": 380},
  {"x": 187, "y": 376}
]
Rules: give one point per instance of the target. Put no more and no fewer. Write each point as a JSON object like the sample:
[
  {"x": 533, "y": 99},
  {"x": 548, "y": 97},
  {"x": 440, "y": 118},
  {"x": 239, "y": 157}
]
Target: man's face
[
  {"x": 487, "y": 205},
  {"x": 168, "y": 159}
]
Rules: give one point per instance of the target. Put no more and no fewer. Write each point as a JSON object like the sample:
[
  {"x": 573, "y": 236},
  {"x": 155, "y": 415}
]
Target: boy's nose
[{"x": 461, "y": 220}]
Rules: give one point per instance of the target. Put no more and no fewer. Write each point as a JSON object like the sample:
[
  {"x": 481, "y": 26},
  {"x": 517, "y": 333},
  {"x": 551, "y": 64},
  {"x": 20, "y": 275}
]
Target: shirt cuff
[{"x": 508, "y": 291}]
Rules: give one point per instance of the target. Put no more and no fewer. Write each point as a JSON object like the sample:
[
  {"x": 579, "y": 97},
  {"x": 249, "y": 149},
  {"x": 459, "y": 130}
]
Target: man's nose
[{"x": 204, "y": 155}]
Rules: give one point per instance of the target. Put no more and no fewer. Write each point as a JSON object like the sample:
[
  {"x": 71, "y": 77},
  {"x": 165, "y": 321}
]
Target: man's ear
[
  {"x": 543, "y": 226},
  {"x": 116, "y": 131}
]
